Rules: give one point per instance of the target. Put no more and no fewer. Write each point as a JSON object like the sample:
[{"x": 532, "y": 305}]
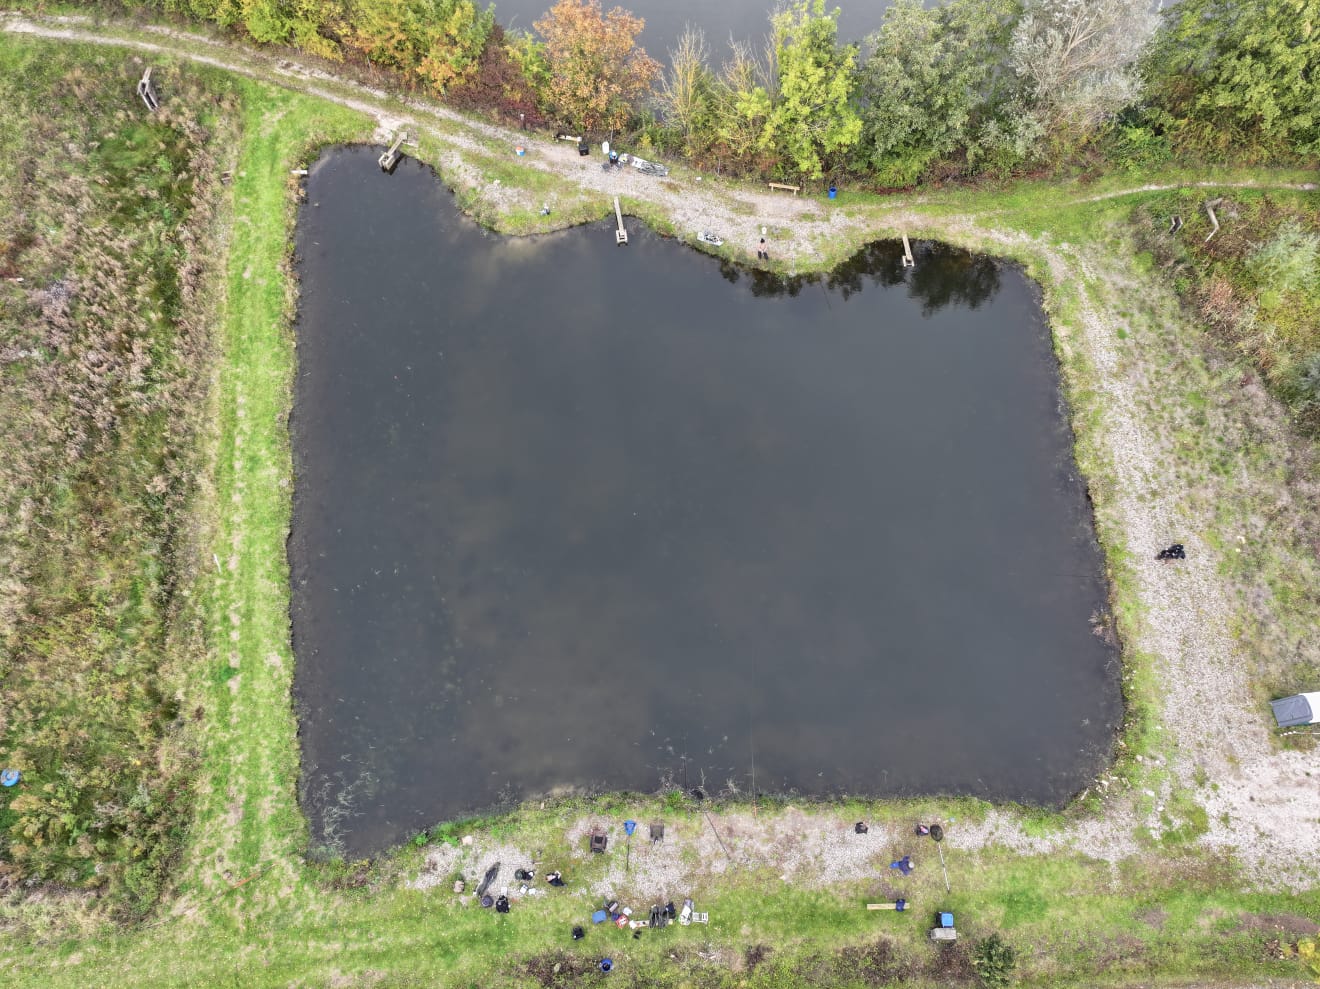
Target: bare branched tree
[
  {"x": 684, "y": 88},
  {"x": 1078, "y": 58}
]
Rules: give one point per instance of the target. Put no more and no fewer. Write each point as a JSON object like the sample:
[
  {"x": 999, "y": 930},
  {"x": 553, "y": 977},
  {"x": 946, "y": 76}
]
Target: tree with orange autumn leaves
[{"x": 597, "y": 73}]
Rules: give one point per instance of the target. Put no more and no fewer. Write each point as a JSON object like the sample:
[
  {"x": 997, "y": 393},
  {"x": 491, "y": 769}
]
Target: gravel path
[{"x": 1263, "y": 805}]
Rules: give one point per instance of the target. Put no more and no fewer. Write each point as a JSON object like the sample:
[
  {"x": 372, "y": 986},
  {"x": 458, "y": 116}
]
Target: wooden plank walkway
[{"x": 620, "y": 235}]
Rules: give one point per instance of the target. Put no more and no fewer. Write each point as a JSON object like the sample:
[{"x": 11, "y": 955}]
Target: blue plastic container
[{"x": 834, "y": 193}]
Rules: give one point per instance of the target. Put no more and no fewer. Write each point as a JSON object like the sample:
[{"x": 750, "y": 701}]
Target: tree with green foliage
[
  {"x": 741, "y": 101},
  {"x": 1227, "y": 77},
  {"x": 597, "y": 72},
  {"x": 438, "y": 42},
  {"x": 684, "y": 96},
  {"x": 930, "y": 78},
  {"x": 504, "y": 82},
  {"x": 302, "y": 23},
  {"x": 813, "y": 116}
]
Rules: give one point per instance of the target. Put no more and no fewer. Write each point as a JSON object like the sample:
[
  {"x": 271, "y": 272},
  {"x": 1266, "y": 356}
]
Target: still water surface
[
  {"x": 569, "y": 515},
  {"x": 666, "y": 19}
]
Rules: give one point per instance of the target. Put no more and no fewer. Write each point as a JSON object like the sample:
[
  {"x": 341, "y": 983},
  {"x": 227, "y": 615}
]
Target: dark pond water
[
  {"x": 570, "y": 515},
  {"x": 665, "y": 20}
]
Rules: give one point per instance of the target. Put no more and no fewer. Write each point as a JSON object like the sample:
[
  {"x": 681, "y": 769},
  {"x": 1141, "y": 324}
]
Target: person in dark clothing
[
  {"x": 860, "y": 828},
  {"x": 555, "y": 878},
  {"x": 501, "y": 904},
  {"x": 762, "y": 253},
  {"x": 1174, "y": 552}
]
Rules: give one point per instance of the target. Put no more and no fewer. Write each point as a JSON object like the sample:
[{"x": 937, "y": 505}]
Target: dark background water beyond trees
[
  {"x": 575, "y": 516},
  {"x": 666, "y": 20}
]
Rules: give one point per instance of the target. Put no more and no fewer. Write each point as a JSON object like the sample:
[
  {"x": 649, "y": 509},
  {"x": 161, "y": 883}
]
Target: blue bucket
[{"x": 834, "y": 193}]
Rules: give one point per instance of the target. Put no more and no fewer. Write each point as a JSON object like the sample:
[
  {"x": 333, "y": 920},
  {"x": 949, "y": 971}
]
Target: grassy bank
[
  {"x": 247, "y": 910},
  {"x": 1255, "y": 282},
  {"x": 109, "y": 227}
]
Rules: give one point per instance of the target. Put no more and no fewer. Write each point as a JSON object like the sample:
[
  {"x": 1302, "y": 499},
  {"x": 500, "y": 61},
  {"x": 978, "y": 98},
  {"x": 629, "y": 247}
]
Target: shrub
[
  {"x": 994, "y": 960},
  {"x": 1286, "y": 263}
]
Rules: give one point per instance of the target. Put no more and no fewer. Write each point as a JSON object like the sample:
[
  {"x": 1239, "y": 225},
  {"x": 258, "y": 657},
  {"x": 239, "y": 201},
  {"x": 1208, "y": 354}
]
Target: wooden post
[{"x": 1210, "y": 208}]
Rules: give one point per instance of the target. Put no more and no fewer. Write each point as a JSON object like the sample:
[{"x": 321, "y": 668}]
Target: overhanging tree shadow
[
  {"x": 959, "y": 278},
  {"x": 942, "y": 275},
  {"x": 881, "y": 261}
]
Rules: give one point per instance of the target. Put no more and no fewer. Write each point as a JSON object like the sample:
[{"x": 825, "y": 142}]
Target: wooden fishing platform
[
  {"x": 908, "y": 262},
  {"x": 620, "y": 235},
  {"x": 391, "y": 157}
]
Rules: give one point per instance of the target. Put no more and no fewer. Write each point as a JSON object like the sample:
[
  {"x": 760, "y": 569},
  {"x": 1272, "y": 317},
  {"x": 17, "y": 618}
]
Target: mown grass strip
[{"x": 251, "y": 764}]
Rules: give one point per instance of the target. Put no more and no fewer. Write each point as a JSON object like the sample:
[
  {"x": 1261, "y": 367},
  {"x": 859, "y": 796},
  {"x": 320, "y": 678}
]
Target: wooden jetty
[
  {"x": 907, "y": 254},
  {"x": 620, "y": 235},
  {"x": 390, "y": 158},
  {"x": 148, "y": 92}
]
